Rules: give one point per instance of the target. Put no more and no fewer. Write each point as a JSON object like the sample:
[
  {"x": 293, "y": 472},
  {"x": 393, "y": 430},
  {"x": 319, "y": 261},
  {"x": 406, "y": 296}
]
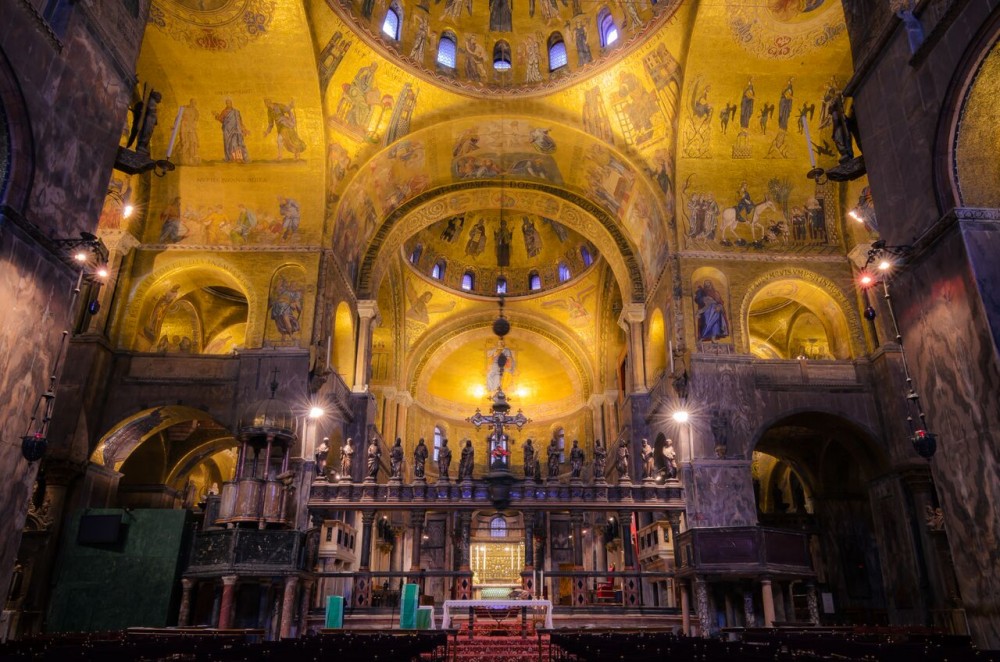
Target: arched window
[
  {"x": 534, "y": 281},
  {"x": 501, "y": 56},
  {"x": 446, "y": 50},
  {"x": 557, "y": 51},
  {"x": 501, "y": 285},
  {"x": 437, "y": 271},
  {"x": 468, "y": 281},
  {"x": 390, "y": 26},
  {"x": 438, "y": 436},
  {"x": 585, "y": 255},
  {"x": 498, "y": 527},
  {"x": 563, "y": 272},
  {"x": 606, "y": 28},
  {"x": 415, "y": 255}
]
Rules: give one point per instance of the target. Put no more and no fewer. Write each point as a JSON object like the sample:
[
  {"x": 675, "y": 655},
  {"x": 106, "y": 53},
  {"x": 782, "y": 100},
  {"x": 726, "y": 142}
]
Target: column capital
[
  {"x": 389, "y": 392},
  {"x": 596, "y": 401},
  {"x": 576, "y": 517},
  {"x": 291, "y": 580},
  {"x": 417, "y": 517},
  {"x": 229, "y": 580},
  {"x": 632, "y": 313},
  {"x": 187, "y": 583},
  {"x": 368, "y": 310},
  {"x": 367, "y": 516},
  {"x": 404, "y": 398}
]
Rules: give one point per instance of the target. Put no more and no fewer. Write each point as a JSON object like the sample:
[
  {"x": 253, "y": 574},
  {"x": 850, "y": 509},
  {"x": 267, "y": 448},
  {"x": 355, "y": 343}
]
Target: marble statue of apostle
[
  {"x": 467, "y": 461},
  {"x": 374, "y": 457},
  {"x": 623, "y": 459},
  {"x": 576, "y": 458},
  {"x": 419, "y": 458},
  {"x": 396, "y": 459},
  {"x": 346, "y": 456},
  {"x": 553, "y": 458},
  {"x": 444, "y": 459},
  {"x": 648, "y": 464},
  {"x": 322, "y": 451},
  {"x": 529, "y": 459},
  {"x": 600, "y": 459}
]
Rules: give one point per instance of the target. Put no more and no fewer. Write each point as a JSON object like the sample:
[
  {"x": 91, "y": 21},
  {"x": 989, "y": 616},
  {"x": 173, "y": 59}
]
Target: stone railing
[
  {"x": 806, "y": 373},
  {"x": 250, "y": 550},
  {"x": 753, "y": 549}
]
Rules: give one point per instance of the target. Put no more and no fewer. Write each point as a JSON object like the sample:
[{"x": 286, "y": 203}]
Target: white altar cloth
[{"x": 527, "y": 604}]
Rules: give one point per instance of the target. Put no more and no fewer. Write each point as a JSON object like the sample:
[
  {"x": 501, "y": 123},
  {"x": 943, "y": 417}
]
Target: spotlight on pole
[{"x": 681, "y": 416}]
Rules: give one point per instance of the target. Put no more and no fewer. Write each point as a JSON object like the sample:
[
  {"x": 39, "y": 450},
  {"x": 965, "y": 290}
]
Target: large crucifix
[{"x": 499, "y": 417}]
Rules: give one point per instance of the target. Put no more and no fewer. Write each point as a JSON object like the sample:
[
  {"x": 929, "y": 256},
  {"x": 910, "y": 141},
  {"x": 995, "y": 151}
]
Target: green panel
[
  {"x": 135, "y": 582},
  {"x": 408, "y": 607},
  {"x": 425, "y": 617},
  {"x": 335, "y": 611}
]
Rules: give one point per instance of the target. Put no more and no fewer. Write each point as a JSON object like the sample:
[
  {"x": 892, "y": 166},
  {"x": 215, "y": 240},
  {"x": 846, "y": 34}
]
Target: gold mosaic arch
[
  {"x": 137, "y": 298},
  {"x": 425, "y": 348},
  {"x": 573, "y": 211},
  {"x": 847, "y": 308}
]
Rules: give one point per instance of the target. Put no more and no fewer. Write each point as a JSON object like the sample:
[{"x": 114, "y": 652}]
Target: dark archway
[{"x": 813, "y": 472}]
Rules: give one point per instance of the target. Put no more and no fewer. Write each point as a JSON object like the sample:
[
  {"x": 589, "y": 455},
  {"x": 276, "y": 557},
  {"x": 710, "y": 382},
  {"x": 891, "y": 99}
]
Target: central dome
[
  {"x": 464, "y": 253},
  {"x": 509, "y": 45}
]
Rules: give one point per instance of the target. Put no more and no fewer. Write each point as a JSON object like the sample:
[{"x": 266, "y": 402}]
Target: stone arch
[
  {"x": 160, "y": 282},
  {"x": 197, "y": 455},
  {"x": 343, "y": 342},
  {"x": 118, "y": 443},
  {"x": 17, "y": 151},
  {"x": 841, "y": 312}
]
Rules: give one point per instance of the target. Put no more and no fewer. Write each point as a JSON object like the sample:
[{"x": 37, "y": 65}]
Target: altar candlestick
[
  {"x": 173, "y": 134},
  {"x": 809, "y": 142}
]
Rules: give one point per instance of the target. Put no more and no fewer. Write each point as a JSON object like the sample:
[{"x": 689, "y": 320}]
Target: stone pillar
[
  {"x": 367, "y": 517},
  {"x": 938, "y": 566},
  {"x": 307, "y": 590},
  {"x": 685, "y": 610},
  {"x": 767, "y": 597},
  {"x": 631, "y": 320},
  {"x": 625, "y": 522},
  {"x": 369, "y": 319},
  {"x": 602, "y": 550},
  {"x": 466, "y": 537},
  {"x": 226, "y": 606},
  {"x": 748, "y": 611},
  {"x": 529, "y": 540},
  {"x": 576, "y": 519},
  {"x": 596, "y": 404},
  {"x": 813, "y": 603},
  {"x": 389, "y": 409},
  {"x": 417, "y": 525},
  {"x": 184, "y": 613},
  {"x": 405, "y": 401},
  {"x": 264, "y": 605},
  {"x": 730, "y": 611},
  {"x": 701, "y": 604},
  {"x": 288, "y": 606}
]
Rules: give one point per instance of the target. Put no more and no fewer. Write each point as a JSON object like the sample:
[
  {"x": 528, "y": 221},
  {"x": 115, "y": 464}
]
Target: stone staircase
[{"x": 498, "y": 649}]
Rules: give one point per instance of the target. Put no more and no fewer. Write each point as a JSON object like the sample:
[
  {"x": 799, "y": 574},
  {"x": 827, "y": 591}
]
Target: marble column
[
  {"x": 602, "y": 550},
  {"x": 264, "y": 604},
  {"x": 730, "y": 610},
  {"x": 685, "y": 609},
  {"x": 748, "y": 611},
  {"x": 701, "y": 605},
  {"x": 226, "y": 605},
  {"x": 368, "y": 315},
  {"x": 596, "y": 404},
  {"x": 307, "y": 591},
  {"x": 417, "y": 525},
  {"x": 625, "y": 521},
  {"x": 631, "y": 320},
  {"x": 367, "y": 517},
  {"x": 184, "y": 613},
  {"x": 389, "y": 408},
  {"x": 576, "y": 520},
  {"x": 529, "y": 541},
  {"x": 767, "y": 597},
  {"x": 288, "y": 606},
  {"x": 404, "y": 401},
  {"x": 812, "y": 602},
  {"x": 465, "y": 519}
]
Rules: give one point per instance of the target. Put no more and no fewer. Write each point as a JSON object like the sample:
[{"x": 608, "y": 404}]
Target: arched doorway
[{"x": 814, "y": 472}]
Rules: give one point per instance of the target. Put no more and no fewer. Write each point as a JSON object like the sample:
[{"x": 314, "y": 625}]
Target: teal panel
[
  {"x": 133, "y": 582},
  {"x": 408, "y": 607},
  {"x": 335, "y": 611}
]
